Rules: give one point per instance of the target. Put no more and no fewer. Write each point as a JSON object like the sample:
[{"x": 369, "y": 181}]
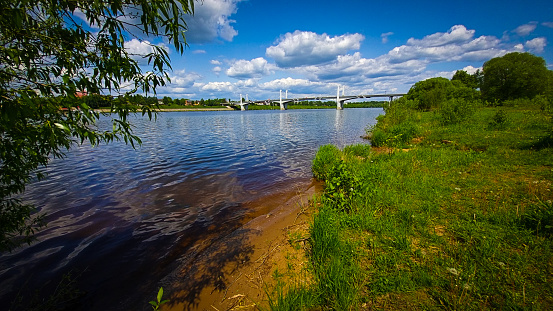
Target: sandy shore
[{"x": 235, "y": 272}]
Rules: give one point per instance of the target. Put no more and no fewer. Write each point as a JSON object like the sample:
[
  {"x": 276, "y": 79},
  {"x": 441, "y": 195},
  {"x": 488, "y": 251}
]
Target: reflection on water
[{"x": 122, "y": 218}]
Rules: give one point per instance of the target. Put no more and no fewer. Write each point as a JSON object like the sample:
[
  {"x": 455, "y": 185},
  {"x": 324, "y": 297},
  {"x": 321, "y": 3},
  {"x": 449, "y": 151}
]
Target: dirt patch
[{"x": 236, "y": 272}]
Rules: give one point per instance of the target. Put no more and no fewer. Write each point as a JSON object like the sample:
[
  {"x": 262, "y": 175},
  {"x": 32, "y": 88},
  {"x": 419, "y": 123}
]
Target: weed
[
  {"x": 158, "y": 302},
  {"x": 327, "y": 156}
]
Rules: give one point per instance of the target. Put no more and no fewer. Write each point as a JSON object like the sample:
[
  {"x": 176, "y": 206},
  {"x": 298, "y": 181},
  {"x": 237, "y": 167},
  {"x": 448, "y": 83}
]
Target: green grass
[{"x": 463, "y": 220}]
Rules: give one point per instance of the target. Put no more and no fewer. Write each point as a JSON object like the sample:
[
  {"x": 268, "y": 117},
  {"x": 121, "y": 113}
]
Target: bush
[
  {"x": 402, "y": 134},
  {"x": 341, "y": 187},
  {"x": 455, "y": 111},
  {"x": 499, "y": 120},
  {"x": 327, "y": 156},
  {"x": 377, "y": 137}
]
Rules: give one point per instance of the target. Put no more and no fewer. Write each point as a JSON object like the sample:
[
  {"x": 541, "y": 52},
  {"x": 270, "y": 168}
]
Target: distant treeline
[{"x": 95, "y": 101}]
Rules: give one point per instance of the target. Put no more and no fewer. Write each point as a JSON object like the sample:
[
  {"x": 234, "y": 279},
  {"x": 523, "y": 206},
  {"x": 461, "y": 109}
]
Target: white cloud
[
  {"x": 244, "y": 69},
  {"x": 407, "y": 63},
  {"x": 246, "y": 83},
  {"x": 303, "y": 48},
  {"x": 456, "y": 34},
  {"x": 211, "y": 21},
  {"x": 548, "y": 24},
  {"x": 385, "y": 36},
  {"x": 471, "y": 70},
  {"x": 536, "y": 45},
  {"x": 298, "y": 87},
  {"x": 356, "y": 69},
  {"x": 138, "y": 49},
  {"x": 218, "y": 87},
  {"x": 199, "y": 52},
  {"x": 455, "y": 45},
  {"x": 526, "y": 29},
  {"x": 183, "y": 79},
  {"x": 215, "y": 62}
]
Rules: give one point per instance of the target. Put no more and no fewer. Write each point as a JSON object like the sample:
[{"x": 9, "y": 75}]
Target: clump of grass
[{"x": 327, "y": 156}]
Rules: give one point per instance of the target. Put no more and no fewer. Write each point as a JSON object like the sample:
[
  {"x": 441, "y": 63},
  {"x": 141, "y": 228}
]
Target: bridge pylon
[
  {"x": 339, "y": 103},
  {"x": 283, "y": 105}
]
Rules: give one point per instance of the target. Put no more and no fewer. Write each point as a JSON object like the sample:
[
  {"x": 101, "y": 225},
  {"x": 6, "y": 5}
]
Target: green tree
[
  {"x": 47, "y": 55},
  {"x": 467, "y": 79},
  {"x": 95, "y": 101},
  {"x": 167, "y": 100},
  {"x": 515, "y": 75}
]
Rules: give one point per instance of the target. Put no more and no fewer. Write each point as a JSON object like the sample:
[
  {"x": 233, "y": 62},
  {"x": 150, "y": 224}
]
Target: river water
[{"x": 120, "y": 219}]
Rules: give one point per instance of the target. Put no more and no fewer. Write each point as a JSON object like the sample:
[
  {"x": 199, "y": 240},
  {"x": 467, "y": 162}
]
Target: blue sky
[{"x": 259, "y": 47}]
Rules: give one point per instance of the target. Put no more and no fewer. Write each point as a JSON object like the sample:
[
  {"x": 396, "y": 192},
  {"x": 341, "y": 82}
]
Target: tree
[
  {"x": 431, "y": 93},
  {"x": 167, "y": 100},
  {"x": 465, "y": 78},
  {"x": 515, "y": 75},
  {"x": 52, "y": 50}
]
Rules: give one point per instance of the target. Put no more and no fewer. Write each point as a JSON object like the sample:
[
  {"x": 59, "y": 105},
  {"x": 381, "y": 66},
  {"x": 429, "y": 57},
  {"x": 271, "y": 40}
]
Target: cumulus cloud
[
  {"x": 183, "y": 79},
  {"x": 220, "y": 87},
  {"x": 298, "y": 87},
  {"x": 355, "y": 69},
  {"x": 526, "y": 29},
  {"x": 308, "y": 48},
  {"x": 536, "y": 45},
  {"x": 456, "y": 34},
  {"x": 211, "y": 21},
  {"x": 410, "y": 61},
  {"x": 455, "y": 45},
  {"x": 182, "y": 84},
  {"x": 471, "y": 70},
  {"x": 244, "y": 69}
]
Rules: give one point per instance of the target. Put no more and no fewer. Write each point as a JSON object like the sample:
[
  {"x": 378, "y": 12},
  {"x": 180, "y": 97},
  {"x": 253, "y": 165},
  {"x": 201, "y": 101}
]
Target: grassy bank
[{"x": 454, "y": 211}]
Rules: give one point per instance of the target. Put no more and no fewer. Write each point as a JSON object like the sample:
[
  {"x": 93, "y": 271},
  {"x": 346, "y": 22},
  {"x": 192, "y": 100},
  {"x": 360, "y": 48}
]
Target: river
[{"x": 120, "y": 219}]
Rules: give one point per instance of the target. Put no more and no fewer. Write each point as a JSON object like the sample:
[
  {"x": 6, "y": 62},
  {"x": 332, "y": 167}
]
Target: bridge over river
[{"x": 340, "y": 99}]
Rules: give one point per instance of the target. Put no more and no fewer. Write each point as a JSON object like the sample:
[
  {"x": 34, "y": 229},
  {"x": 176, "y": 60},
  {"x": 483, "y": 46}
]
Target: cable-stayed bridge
[{"x": 283, "y": 102}]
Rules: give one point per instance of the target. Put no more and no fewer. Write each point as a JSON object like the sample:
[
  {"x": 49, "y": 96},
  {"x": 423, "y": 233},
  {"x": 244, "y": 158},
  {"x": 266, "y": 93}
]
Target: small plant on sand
[{"x": 157, "y": 303}]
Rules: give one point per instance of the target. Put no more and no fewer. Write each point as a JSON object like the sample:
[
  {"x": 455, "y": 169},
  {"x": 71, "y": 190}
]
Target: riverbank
[{"x": 460, "y": 217}]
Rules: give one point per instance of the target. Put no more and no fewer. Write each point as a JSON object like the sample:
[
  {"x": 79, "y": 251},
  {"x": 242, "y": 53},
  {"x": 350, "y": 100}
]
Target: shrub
[
  {"x": 341, "y": 187},
  {"x": 455, "y": 111},
  {"x": 378, "y": 137},
  {"x": 327, "y": 156},
  {"x": 402, "y": 134},
  {"x": 499, "y": 120}
]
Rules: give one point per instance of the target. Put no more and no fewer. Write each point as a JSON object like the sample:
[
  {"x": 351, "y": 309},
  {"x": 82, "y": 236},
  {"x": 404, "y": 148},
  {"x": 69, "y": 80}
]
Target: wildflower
[{"x": 453, "y": 271}]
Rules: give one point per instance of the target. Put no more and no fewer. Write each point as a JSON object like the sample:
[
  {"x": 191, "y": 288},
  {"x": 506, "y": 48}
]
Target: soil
[{"x": 239, "y": 272}]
